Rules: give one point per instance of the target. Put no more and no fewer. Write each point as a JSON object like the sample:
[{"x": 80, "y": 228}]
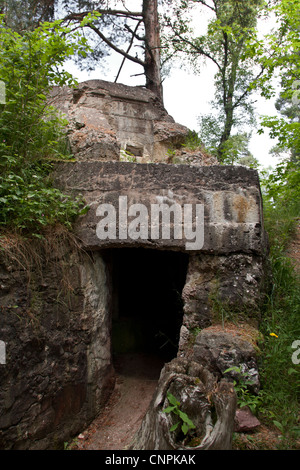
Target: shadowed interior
[{"x": 146, "y": 300}]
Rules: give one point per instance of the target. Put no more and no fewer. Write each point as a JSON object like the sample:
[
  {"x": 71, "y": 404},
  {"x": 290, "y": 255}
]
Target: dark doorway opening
[{"x": 147, "y": 307}]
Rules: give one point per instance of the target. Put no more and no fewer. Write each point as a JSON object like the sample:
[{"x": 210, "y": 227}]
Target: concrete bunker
[
  {"x": 59, "y": 370},
  {"x": 71, "y": 345}
]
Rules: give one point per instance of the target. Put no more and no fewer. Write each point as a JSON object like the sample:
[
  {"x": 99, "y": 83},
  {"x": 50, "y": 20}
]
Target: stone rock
[
  {"x": 231, "y": 261},
  {"x": 58, "y": 371},
  {"x": 195, "y": 158},
  {"x": 57, "y": 304},
  {"x": 112, "y": 122},
  {"x": 245, "y": 421},
  {"x": 221, "y": 350},
  {"x": 236, "y": 280}
]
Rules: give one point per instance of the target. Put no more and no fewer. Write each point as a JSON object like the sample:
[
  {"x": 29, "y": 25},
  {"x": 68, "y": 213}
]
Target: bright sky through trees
[{"x": 186, "y": 95}]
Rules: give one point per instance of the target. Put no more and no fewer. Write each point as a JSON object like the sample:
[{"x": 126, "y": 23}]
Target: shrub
[
  {"x": 280, "y": 378},
  {"x": 31, "y": 131}
]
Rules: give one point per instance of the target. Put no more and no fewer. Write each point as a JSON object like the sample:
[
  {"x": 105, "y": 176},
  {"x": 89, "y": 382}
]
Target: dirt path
[{"x": 137, "y": 376}]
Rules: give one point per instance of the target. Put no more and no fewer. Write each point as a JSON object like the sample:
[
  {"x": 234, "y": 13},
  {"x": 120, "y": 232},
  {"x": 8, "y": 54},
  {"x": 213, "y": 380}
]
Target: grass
[{"x": 280, "y": 376}]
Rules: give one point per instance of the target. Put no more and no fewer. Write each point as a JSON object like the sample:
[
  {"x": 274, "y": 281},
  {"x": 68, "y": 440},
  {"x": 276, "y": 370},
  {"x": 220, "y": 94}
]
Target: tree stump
[{"x": 208, "y": 402}]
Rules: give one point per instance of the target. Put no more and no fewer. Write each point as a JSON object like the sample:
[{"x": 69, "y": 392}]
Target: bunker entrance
[{"x": 147, "y": 307}]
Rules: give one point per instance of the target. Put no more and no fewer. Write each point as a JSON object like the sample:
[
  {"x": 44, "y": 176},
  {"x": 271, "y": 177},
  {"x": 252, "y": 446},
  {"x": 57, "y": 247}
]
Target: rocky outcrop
[
  {"x": 245, "y": 421},
  {"x": 109, "y": 122},
  {"x": 229, "y": 267},
  {"x": 58, "y": 371},
  {"x": 225, "y": 278},
  {"x": 195, "y": 157},
  {"x": 221, "y": 349}
]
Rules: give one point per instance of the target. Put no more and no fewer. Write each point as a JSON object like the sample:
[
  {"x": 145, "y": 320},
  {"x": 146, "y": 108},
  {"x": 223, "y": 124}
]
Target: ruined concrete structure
[
  {"x": 109, "y": 121},
  {"x": 60, "y": 335}
]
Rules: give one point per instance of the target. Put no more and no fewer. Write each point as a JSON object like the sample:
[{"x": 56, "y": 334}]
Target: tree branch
[
  {"x": 115, "y": 48},
  {"x": 134, "y": 33},
  {"x": 120, "y": 13},
  {"x": 206, "y": 5},
  {"x": 243, "y": 95},
  {"x": 199, "y": 50},
  {"x": 129, "y": 47},
  {"x": 224, "y": 68}
]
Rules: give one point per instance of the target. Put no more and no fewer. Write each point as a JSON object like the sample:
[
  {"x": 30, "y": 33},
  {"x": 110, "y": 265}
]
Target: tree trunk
[
  {"x": 152, "y": 48},
  {"x": 228, "y": 108}
]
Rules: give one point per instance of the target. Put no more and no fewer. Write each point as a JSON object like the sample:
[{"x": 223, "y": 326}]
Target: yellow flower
[{"x": 273, "y": 334}]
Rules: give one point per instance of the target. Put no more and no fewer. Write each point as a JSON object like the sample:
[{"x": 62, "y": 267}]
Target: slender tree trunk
[
  {"x": 228, "y": 105},
  {"x": 152, "y": 48},
  {"x": 226, "y": 133},
  {"x": 152, "y": 45}
]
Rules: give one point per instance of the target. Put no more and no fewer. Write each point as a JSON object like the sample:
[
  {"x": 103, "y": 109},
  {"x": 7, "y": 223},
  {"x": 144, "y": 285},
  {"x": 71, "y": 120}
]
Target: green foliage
[
  {"x": 28, "y": 201},
  {"x": 193, "y": 141},
  {"x": 22, "y": 15},
  {"x": 284, "y": 43},
  {"x": 279, "y": 53},
  {"x": 184, "y": 422},
  {"x": 280, "y": 378},
  {"x": 235, "y": 149},
  {"x": 31, "y": 132},
  {"x": 280, "y": 326},
  {"x": 287, "y": 133},
  {"x": 242, "y": 388},
  {"x": 277, "y": 402},
  {"x": 127, "y": 156},
  {"x": 281, "y": 188},
  {"x": 231, "y": 25}
]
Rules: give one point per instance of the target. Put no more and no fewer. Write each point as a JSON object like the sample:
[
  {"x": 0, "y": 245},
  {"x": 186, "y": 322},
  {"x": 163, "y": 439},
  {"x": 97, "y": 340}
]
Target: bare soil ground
[{"x": 114, "y": 428}]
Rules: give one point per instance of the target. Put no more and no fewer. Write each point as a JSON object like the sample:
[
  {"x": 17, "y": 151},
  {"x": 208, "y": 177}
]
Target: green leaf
[
  {"x": 233, "y": 368},
  {"x": 174, "y": 427},
  {"x": 84, "y": 210},
  {"x": 186, "y": 419},
  {"x": 169, "y": 409},
  {"x": 172, "y": 399},
  {"x": 185, "y": 428},
  {"x": 278, "y": 425},
  {"x": 31, "y": 132}
]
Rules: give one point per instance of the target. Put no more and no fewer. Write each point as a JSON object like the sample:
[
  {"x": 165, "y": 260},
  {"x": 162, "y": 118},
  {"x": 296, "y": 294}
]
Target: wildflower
[{"x": 273, "y": 334}]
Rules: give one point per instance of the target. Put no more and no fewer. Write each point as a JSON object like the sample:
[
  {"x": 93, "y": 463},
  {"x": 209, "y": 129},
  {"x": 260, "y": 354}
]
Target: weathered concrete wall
[
  {"x": 233, "y": 219},
  {"x": 55, "y": 324},
  {"x": 229, "y": 269},
  {"x": 107, "y": 119},
  {"x": 56, "y": 312}
]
